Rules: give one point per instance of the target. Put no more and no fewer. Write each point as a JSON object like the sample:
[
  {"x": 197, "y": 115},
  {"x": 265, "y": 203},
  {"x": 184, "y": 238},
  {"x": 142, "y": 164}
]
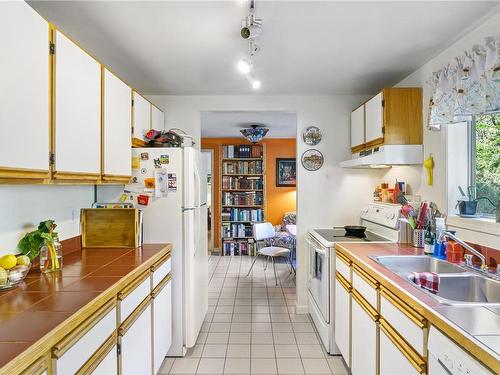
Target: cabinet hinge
[
  {"x": 52, "y": 158},
  {"x": 383, "y": 129},
  {"x": 383, "y": 103},
  {"x": 52, "y": 48},
  {"x": 132, "y": 102},
  {"x": 118, "y": 349}
]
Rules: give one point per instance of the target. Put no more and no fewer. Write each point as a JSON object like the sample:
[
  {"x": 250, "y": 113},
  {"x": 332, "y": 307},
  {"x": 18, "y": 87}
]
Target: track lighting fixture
[{"x": 251, "y": 29}]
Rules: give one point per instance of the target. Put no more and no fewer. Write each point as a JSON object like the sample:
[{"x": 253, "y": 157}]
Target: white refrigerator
[{"x": 177, "y": 213}]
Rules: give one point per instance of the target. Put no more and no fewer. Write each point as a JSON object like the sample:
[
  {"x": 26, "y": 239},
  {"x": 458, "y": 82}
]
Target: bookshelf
[{"x": 242, "y": 197}]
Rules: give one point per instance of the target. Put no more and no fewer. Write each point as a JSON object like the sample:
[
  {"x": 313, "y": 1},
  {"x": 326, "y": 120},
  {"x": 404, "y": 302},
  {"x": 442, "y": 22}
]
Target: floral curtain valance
[{"x": 468, "y": 86}]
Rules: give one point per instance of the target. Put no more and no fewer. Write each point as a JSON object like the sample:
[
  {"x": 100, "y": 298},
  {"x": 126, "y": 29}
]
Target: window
[{"x": 484, "y": 171}]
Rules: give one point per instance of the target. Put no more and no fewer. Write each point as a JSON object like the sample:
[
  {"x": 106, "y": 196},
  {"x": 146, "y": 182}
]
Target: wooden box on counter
[{"x": 110, "y": 227}]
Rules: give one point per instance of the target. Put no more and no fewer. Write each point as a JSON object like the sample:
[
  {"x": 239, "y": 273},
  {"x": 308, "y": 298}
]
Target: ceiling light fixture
[
  {"x": 250, "y": 30},
  {"x": 255, "y": 133},
  {"x": 244, "y": 66}
]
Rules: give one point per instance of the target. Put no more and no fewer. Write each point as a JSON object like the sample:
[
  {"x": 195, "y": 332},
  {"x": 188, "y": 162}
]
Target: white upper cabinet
[
  {"x": 157, "y": 118},
  {"x": 358, "y": 127},
  {"x": 142, "y": 116},
  {"x": 374, "y": 118},
  {"x": 24, "y": 93},
  {"x": 117, "y": 110},
  {"x": 77, "y": 110}
]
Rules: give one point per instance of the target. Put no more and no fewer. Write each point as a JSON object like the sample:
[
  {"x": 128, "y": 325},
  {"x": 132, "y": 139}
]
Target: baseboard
[{"x": 301, "y": 309}]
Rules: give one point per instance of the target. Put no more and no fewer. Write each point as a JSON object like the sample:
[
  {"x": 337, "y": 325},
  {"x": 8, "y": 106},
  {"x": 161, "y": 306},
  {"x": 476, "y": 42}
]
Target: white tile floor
[{"x": 251, "y": 326}]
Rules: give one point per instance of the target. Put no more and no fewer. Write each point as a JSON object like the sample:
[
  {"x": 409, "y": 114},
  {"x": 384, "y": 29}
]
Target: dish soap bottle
[{"x": 440, "y": 245}]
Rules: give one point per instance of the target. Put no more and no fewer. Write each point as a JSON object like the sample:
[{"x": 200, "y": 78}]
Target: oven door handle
[{"x": 317, "y": 247}]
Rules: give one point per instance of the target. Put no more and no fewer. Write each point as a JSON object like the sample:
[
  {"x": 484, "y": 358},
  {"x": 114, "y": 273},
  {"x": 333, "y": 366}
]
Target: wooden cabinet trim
[
  {"x": 415, "y": 317},
  {"x": 116, "y": 178},
  {"x": 365, "y": 276},
  {"x": 375, "y": 142},
  {"x": 125, "y": 326},
  {"x": 76, "y": 176},
  {"x": 414, "y": 358},
  {"x": 6, "y": 172},
  {"x": 138, "y": 143},
  {"x": 67, "y": 342},
  {"x": 38, "y": 367},
  {"x": 365, "y": 305},
  {"x": 358, "y": 148},
  {"x": 134, "y": 284},
  {"x": 94, "y": 361},
  {"x": 342, "y": 281},
  {"x": 344, "y": 259},
  {"x": 158, "y": 264},
  {"x": 162, "y": 284}
]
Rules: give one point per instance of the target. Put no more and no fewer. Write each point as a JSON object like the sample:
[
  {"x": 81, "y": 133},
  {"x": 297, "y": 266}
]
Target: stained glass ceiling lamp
[{"x": 255, "y": 133}]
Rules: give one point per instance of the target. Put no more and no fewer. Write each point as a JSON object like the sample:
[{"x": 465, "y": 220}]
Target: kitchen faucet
[{"x": 484, "y": 267}]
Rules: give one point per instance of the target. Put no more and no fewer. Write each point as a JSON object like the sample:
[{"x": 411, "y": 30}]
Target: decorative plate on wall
[
  {"x": 312, "y": 135},
  {"x": 312, "y": 160}
]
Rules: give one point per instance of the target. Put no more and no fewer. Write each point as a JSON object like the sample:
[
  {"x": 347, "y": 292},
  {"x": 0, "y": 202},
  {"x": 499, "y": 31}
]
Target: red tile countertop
[
  {"x": 43, "y": 303},
  {"x": 449, "y": 319}
]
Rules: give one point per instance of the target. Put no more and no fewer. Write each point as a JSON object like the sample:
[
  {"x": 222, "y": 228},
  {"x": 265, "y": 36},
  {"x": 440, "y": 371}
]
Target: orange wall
[{"x": 278, "y": 199}]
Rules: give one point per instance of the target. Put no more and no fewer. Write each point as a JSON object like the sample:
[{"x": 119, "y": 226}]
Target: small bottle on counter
[
  {"x": 429, "y": 242},
  {"x": 440, "y": 243}
]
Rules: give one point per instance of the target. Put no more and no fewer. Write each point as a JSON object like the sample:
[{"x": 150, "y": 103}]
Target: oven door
[{"x": 318, "y": 280}]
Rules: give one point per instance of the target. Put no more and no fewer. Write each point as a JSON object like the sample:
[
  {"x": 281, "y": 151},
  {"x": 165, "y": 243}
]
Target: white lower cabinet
[
  {"x": 136, "y": 351},
  {"x": 392, "y": 361},
  {"x": 364, "y": 341},
  {"x": 73, "y": 351},
  {"x": 162, "y": 325},
  {"x": 342, "y": 320}
]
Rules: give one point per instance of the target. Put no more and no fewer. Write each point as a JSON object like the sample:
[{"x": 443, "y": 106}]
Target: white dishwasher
[{"x": 447, "y": 358}]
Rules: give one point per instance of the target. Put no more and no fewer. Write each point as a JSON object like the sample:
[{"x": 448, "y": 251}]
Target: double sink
[{"x": 457, "y": 285}]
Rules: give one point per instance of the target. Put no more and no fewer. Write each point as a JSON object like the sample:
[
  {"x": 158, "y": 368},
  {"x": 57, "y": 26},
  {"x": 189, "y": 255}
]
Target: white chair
[{"x": 263, "y": 231}]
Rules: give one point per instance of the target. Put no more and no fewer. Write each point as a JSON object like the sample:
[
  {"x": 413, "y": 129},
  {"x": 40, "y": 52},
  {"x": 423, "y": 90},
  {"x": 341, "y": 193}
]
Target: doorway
[{"x": 208, "y": 159}]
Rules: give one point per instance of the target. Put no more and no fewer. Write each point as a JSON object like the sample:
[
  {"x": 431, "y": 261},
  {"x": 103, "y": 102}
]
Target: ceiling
[
  {"x": 308, "y": 47},
  {"x": 229, "y": 123}
]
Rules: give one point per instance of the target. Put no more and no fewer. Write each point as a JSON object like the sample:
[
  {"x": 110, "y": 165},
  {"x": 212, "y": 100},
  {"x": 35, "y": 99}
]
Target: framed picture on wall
[{"x": 286, "y": 172}]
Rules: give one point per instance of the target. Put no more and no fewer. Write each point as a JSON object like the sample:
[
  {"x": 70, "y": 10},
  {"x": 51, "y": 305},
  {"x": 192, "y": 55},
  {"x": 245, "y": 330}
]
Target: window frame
[{"x": 472, "y": 151}]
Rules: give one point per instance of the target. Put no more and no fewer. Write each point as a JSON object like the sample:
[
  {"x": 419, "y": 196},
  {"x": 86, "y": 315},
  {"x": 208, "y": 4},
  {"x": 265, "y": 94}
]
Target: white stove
[{"x": 382, "y": 225}]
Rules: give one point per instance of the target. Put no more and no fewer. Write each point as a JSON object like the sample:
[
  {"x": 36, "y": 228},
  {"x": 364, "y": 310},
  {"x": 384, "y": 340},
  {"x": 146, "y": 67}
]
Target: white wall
[
  {"x": 24, "y": 206},
  {"x": 327, "y": 197},
  {"x": 436, "y": 142}
]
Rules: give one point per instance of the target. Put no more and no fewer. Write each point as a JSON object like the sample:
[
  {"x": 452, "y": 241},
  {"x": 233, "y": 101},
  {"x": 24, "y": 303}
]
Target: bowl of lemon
[{"x": 13, "y": 270}]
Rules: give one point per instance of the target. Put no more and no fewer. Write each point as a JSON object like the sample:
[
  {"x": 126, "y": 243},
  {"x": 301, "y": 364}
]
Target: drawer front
[
  {"x": 365, "y": 289},
  {"x": 392, "y": 360},
  {"x": 134, "y": 298},
  {"x": 405, "y": 326},
  {"x": 87, "y": 345},
  {"x": 161, "y": 272},
  {"x": 343, "y": 268}
]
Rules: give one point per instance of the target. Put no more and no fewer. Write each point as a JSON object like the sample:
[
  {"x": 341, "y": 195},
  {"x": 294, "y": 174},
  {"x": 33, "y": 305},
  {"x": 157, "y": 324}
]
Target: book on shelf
[
  {"x": 242, "y": 167},
  {"x": 242, "y": 151},
  {"x": 238, "y": 230},
  {"x": 242, "y": 214},
  {"x": 248, "y": 183},
  {"x": 242, "y": 198},
  {"x": 238, "y": 247}
]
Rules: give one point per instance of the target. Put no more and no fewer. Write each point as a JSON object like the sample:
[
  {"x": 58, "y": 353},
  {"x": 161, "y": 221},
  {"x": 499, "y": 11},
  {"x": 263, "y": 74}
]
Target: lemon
[
  {"x": 3, "y": 276},
  {"x": 23, "y": 260},
  {"x": 8, "y": 261}
]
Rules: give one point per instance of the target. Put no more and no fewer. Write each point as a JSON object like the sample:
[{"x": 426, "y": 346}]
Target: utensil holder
[{"x": 418, "y": 236}]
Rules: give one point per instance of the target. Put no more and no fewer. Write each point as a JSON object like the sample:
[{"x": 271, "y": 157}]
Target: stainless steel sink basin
[
  {"x": 405, "y": 264},
  {"x": 457, "y": 285},
  {"x": 468, "y": 289}
]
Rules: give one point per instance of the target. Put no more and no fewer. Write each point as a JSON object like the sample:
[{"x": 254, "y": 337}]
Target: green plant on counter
[{"x": 31, "y": 243}]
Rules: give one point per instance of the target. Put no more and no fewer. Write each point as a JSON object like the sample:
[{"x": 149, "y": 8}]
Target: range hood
[{"x": 386, "y": 156}]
